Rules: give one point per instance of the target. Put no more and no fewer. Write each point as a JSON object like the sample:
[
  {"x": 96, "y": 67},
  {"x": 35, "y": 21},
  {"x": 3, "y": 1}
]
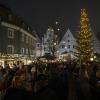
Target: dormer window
[
  {"x": 28, "y": 28},
  {"x": 23, "y": 24},
  {"x": 9, "y": 17}
]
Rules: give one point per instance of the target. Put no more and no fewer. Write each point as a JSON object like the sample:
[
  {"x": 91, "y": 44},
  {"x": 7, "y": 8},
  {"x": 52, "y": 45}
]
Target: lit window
[
  {"x": 22, "y": 50},
  {"x": 10, "y": 33},
  {"x": 26, "y": 51},
  {"x": 10, "y": 49}
]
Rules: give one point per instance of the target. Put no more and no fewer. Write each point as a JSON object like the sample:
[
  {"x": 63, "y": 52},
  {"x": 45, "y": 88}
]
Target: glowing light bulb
[
  {"x": 56, "y": 22},
  {"x": 58, "y": 29}
]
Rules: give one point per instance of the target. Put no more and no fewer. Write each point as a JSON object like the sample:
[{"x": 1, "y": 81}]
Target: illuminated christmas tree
[{"x": 84, "y": 38}]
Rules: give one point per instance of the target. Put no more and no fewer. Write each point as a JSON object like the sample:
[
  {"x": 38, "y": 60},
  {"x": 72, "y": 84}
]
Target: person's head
[
  {"x": 28, "y": 86},
  {"x": 99, "y": 64},
  {"x": 17, "y": 82}
]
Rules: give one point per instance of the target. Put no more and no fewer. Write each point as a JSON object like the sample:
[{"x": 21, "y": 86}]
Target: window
[
  {"x": 38, "y": 45},
  {"x": 68, "y": 35},
  {"x": 23, "y": 24},
  {"x": 9, "y": 17},
  {"x": 26, "y": 39},
  {"x": 28, "y": 28},
  {"x": 23, "y": 37},
  {"x": 63, "y": 46},
  {"x": 68, "y": 46},
  {"x": 31, "y": 41},
  {"x": 10, "y": 49},
  {"x": 50, "y": 35},
  {"x": 26, "y": 51},
  {"x": 0, "y": 18},
  {"x": 10, "y": 33},
  {"x": 32, "y": 51},
  {"x": 73, "y": 46},
  {"x": 22, "y": 50},
  {"x": 68, "y": 40}
]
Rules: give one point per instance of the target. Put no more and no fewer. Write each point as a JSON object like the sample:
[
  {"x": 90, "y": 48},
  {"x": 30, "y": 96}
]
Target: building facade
[
  {"x": 17, "y": 40},
  {"x": 96, "y": 43},
  {"x": 49, "y": 42},
  {"x": 67, "y": 45}
]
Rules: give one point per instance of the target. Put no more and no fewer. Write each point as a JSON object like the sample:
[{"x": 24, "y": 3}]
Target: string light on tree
[
  {"x": 58, "y": 29},
  {"x": 84, "y": 39}
]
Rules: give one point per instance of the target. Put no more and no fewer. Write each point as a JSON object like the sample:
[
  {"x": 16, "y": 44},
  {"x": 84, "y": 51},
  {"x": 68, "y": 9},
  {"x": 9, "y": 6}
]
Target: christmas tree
[
  {"x": 50, "y": 44},
  {"x": 84, "y": 38}
]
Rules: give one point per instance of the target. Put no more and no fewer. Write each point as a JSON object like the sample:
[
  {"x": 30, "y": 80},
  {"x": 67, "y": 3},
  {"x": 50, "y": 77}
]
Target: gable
[{"x": 68, "y": 36}]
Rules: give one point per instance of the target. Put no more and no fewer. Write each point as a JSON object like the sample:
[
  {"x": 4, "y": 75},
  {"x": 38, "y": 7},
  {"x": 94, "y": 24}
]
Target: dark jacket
[{"x": 16, "y": 94}]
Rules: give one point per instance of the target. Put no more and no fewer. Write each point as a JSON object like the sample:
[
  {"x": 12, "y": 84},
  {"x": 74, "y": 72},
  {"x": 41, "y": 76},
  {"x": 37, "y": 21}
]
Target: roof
[
  {"x": 66, "y": 35},
  {"x": 8, "y": 16}
]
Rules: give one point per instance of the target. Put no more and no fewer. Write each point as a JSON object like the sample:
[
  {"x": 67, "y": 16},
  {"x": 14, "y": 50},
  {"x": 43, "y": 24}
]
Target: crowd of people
[{"x": 50, "y": 81}]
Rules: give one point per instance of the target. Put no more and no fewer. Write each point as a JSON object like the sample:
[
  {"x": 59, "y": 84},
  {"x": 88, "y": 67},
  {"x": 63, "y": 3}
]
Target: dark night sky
[{"x": 40, "y": 13}]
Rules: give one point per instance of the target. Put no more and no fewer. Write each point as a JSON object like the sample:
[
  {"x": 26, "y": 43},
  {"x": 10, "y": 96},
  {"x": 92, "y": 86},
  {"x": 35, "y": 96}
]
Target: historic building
[
  {"x": 49, "y": 42},
  {"x": 38, "y": 47},
  {"x": 17, "y": 39},
  {"x": 96, "y": 44},
  {"x": 67, "y": 45}
]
